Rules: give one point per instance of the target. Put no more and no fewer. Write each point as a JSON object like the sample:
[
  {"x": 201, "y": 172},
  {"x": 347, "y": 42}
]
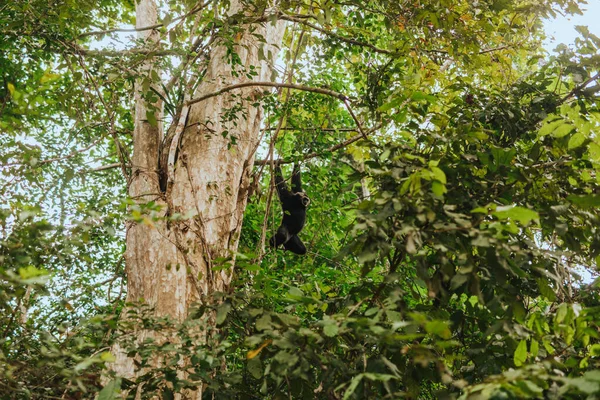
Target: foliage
[{"x": 451, "y": 255}]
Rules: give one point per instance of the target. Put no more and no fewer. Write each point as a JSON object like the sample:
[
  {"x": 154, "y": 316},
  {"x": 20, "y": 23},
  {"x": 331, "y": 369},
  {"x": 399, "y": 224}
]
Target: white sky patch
[{"x": 562, "y": 29}]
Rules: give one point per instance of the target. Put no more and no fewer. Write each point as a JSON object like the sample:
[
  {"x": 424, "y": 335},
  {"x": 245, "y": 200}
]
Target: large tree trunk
[{"x": 169, "y": 263}]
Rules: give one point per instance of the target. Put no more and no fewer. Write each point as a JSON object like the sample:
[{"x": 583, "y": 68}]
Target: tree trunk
[{"x": 169, "y": 263}]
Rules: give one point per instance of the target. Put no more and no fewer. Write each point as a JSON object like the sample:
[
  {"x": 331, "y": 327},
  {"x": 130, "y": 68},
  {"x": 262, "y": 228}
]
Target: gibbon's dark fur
[{"x": 294, "y": 205}]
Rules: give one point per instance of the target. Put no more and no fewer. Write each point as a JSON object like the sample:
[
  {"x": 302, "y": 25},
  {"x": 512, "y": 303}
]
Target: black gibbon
[{"x": 294, "y": 205}]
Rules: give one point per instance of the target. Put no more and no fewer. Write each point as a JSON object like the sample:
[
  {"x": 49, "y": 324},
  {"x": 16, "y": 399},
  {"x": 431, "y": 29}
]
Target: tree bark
[{"x": 169, "y": 263}]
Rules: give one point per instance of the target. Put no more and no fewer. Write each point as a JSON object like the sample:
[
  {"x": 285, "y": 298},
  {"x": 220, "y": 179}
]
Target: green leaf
[
  {"x": 562, "y": 130},
  {"x": 534, "y": 348},
  {"x": 586, "y": 201},
  {"x": 595, "y": 350},
  {"x": 503, "y": 156},
  {"x": 264, "y": 322},
  {"x": 521, "y": 353},
  {"x": 352, "y": 387},
  {"x": 370, "y": 376},
  {"x": 561, "y": 313},
  {"x": 222, "y": 312},
  {"x": 594, "y": 152},
  {"x": 331, "y": 330},
  {"x": 438, "y": 188},
  {"x": 151, "y": 117},
  {"x": 576, "y": 140},
  {"x": 545, "y": 289},
  {"x": 439, "y": 174},
  {"x": 111, "y": 390},
  {"x": 31, "y": 272},
  {"x": 294, "y": 292},
  {"x": 439, "y": 328},
  {"x": 255, "y": 367},
  {"x": 516, "y": 213},
  {"x": 107, "y": 356},
  {"x": 593, "y": 375},
  {"x": 549, "y": 128}
]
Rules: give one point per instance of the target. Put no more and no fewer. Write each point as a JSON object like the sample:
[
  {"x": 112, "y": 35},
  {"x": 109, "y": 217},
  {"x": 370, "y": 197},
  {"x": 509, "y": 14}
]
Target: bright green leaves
[
  {"x": 516, "y": 213},
  {"x": 151, "y": 117},
  {"x": 330, "y": 327},
  {"x": 222, "y": 312},
  {"x": 496, "y": 158},
  {"x": 576, "y": 140},
  {"x": 111, "y": 390},
  {"x": 438, "y": 328},
  {"x": 585, "y": 201},
  {"x": 433, "y": 174},
  {"x": 558, "y": 128},
  {"x": 31, "y": 272},
  {"x": 578, "y": 128},
  {"x": 520, "y": 355},
  {"x": 365, "y": 376}
]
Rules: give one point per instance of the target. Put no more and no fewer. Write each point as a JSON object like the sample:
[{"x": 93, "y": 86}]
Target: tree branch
[
  {"x": 581, "y": 87},
  {"x": 334, "y": 35},
  {"x": 315, "y": 154},
  {"x": 146, "y": 28},
  {"x": 226, "y": 89}
]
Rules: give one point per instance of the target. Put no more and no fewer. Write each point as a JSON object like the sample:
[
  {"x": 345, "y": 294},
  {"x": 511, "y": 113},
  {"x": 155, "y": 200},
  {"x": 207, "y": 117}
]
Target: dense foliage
[{"x": 452, "y": 254}]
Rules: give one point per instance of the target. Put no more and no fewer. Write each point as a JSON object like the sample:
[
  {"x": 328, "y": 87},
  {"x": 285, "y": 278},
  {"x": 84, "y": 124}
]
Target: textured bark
[
  {"x": 212, "y": 177},
  {"x": 169, "y": 263}
]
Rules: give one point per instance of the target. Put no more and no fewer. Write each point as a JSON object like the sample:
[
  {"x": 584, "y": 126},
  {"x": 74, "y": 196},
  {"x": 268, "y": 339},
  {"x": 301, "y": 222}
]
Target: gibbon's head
[{"x": 303, "y": 198}]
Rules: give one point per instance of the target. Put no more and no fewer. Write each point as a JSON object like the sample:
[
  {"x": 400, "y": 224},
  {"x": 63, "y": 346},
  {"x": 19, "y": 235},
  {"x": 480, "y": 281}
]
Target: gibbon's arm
[
  {"x": 296, "y": 179},
  {"x": 282, "y": 189}
]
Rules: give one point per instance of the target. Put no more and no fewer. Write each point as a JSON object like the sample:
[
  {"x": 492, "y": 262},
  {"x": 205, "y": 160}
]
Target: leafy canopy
[{"x": 445, "y": 252}]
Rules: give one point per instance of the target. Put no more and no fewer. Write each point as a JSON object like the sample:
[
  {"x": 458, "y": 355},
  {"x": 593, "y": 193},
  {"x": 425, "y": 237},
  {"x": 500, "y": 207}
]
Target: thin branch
[
  {"x": 327, "y": 92},
  {"x": 334, "y": 35},
  {"x": 226, "y": 89},
  {"x": 146, "y": 28},
  {"x": 121, "y": 53},
  {"x": 493, "y": 49},
  {"x": 315, "y": 154},
  {"x": 355, "y": 119},
  {"x": 580, "y": 87},
  {"x": 191, "y": 57},
  {"x": 107, "y": 166},
  {"x": 313, "y": 129},
  {"x": 124, "y": 30},
  {"x": 301, "y": 19}
]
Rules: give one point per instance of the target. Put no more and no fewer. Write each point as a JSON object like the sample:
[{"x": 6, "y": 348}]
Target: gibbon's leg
[
  {"x": 280, "y": 237},
  {"x": 295, "y": 245}
]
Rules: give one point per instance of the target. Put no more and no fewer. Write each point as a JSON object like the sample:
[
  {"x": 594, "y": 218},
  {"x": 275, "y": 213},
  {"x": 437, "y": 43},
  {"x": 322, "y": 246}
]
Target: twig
[
  {"x": 364, "y": 135},
  {"x": 108, "y": 166},
  {"x": 580, "y": 87}
]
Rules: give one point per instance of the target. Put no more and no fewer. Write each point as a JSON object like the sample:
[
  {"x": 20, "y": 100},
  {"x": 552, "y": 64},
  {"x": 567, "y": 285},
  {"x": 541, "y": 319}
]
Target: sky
[{"x": 562, "y": 30}]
